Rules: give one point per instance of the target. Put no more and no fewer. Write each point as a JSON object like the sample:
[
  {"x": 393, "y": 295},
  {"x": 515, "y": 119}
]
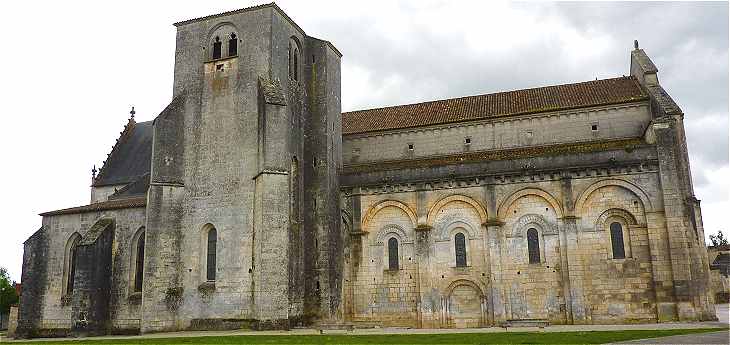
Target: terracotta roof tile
[
  {"x": 102, "y": 206},
  {"x": 527, "y": 101}
]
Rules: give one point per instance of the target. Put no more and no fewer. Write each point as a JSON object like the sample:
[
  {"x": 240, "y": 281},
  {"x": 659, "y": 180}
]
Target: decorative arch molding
[
  {"x": 533, "y": 221},
  {"x": 218, "y": 26},
  {"x": 455, "y": 198},
  {"x": 600, "y": 224},
  {"x": 459, "y": 282},
  {"x": 391, "y": 229},
  {"x": 581, "y": 200},
  {"x": 387, "y": 203},
  {"x": 447, "y": 232},
  {"x": 554, "y": 203}
]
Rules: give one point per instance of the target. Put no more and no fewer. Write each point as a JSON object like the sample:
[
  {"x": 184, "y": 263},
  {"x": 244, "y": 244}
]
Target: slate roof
[
  {"x": 137, "y": 188},
  {"x": 130, "y": 158},
  {"x": 518, "y": 102},
  {"x": 102, "y": 206}
]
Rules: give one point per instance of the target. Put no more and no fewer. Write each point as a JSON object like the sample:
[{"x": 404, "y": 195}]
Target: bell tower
[{"x": 250, "y": 147}]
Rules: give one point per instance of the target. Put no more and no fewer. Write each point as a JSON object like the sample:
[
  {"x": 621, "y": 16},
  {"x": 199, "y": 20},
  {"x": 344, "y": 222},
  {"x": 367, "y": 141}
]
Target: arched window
[
  {"x": 217, "y": 48},
  {"x": 295, "y": 64},
  {"x": 460, "y": 249},
  {"x": 139, "y": 262},
  {"x": 294, "y": 51},
  {"x": 70, "y": 265},
  {"x": 233, "y": 45},
  {"x": 533, "y": 246},
  {"x": 617, "y": 240},
  {"x": 393, "y": 254},
  {"x": 211, "y": 259}
]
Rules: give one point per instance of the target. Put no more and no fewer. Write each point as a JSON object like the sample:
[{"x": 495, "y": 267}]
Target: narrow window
[
  {"x": 393, "y": 254},
  {"x": 139, "y": 266},
  {"x": 233, "y": 45},
  {"x": 617, "y": 240},
  {"x": 410, "y": 147},
  {"x": 289, "y": 55},
  {"x": 533, "y": 246},
  {"x": 212, "y": 246},
  {"x": 72, "y": 266},
  {"x": 217, "y": 48},
  {"x": 460, "y": 249},
  {"x": 295, "y": 70},
  {"x": 467, "y": 141}
]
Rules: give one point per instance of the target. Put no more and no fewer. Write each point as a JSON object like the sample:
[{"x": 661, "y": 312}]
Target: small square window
[
  {"x": 467, "y": 141},
  {"x": 594, "y": 127},
  {"x": 410, "y": 147}
]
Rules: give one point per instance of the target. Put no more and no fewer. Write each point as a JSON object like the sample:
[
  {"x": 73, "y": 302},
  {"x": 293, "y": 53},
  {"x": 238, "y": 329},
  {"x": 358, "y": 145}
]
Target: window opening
[
  {"x": 233, "y": 45},
  {"x": 139, "y": 266},
  {"x": 217, "y": 48},
  {"x": 212, "y": 251},
  {"x": 460, "y": 250},
  {"x": 617, "y": 241},
  {"x": 393, "y": 254},
  {"x": 533, "y": 246}
]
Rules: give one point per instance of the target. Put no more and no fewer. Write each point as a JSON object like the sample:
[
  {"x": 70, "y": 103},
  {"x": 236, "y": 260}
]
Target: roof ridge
[{"x": 491, "y": 93}]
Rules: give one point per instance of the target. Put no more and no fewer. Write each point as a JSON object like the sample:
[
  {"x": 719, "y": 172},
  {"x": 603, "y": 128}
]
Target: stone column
[
  {"x": 496, "y": 295},
  {"x": 571, "y": 268},
  {"x": 426, "y": 303}
]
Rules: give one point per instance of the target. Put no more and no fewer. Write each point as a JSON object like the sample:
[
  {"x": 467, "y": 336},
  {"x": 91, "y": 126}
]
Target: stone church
[{"x": 252, "y": 201}]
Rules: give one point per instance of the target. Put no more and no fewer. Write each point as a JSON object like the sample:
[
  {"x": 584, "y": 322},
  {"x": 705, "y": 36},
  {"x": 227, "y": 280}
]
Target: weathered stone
[{"x": 257, "y": 212}]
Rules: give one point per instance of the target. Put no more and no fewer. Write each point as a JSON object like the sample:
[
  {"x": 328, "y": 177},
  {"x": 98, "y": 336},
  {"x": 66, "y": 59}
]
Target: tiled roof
[
  {"x": 495, "y": 155},
  {"x": 527, "y": 101},
  {"x": 102, "y": 206}
]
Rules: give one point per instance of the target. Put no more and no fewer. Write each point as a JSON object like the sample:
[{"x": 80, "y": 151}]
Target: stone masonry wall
[
  {"x": 541, "y": 129},
  {"x": 53, "y": 310},
  {"x": 505, "y": 286}
]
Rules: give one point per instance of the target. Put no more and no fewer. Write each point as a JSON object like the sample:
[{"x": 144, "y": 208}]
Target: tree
[
  {"x": 8, "y": 295},
  {"x": 718, "y": 239}
]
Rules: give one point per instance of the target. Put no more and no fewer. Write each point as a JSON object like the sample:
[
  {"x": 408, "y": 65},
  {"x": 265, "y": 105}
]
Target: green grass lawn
[{"x": 596, "y": 337}]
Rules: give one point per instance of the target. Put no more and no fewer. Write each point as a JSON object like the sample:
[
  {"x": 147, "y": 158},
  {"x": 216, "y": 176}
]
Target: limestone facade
[{"x": 253, "y": 201}]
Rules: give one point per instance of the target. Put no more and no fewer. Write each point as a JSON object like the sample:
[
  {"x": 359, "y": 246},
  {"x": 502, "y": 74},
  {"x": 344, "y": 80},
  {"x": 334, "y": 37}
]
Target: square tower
[{"x": 243, "y": 215}]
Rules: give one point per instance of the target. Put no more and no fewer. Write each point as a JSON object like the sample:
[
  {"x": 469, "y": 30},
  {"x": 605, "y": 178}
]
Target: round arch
[
  {"x": 453, "y": 198},
  {"x": 388, "y": 230},
  {"x": 452, "y": 227},
  {"x": 600, "y": 223},
  {"x": 557, "y": 207},
  {"x": 387, "y": 203},
  {"x": 580, "y": 201},
  {"x": 218, "y": 26},
  {"x": 459, "y": 282}
]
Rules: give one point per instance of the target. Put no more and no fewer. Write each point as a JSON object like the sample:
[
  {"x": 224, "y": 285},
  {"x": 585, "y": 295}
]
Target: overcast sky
[{"x": 71, "y": 70}]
